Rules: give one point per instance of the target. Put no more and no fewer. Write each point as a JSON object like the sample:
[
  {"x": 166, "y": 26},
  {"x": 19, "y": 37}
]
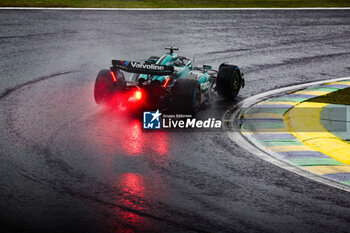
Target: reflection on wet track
[
  {"x": 133, "y": 188},
  {"x": 126, "y": 134},
  {"x": 117, "y": 137}
]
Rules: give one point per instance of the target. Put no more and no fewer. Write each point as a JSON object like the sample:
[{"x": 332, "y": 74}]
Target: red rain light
[
  {"x": 166, "y": 82},
  {"x": 138, "y": 95},
  {"x": 113, "y": 76}
]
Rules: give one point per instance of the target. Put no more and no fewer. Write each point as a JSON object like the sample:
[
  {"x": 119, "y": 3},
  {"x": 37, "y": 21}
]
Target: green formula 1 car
[{"x": 167, "y": 82}]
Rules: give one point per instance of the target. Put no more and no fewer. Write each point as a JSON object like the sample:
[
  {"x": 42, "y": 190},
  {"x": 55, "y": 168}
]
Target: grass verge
[
  {"x": 174, "y": 3},
  {"x": 337, "y": 97}
]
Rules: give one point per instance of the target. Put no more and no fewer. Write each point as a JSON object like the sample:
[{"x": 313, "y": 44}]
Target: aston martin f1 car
[{"x": 167, "y": 82}]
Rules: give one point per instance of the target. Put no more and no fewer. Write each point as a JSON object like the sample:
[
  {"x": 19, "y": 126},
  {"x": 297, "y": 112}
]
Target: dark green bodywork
[{"x": 182, "y": 71}]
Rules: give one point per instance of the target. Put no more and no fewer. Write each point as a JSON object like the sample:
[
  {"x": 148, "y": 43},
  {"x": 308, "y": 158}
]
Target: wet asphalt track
[{"x": 68, "y": 165}]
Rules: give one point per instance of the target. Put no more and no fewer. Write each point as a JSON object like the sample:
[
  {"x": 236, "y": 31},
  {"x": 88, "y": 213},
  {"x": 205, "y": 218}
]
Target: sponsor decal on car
[
  {"x": 124, "y": 63},
  {"x": 146, "y": 66},
  {"x": 205, "y": 86}
]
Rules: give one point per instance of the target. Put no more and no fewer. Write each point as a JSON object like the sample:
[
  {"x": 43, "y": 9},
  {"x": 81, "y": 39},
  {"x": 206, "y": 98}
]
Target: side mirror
[{"x": 206, "y": 67}]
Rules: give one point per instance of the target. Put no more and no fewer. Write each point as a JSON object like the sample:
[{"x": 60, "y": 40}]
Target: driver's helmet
[{"x": 178, "y": 62}]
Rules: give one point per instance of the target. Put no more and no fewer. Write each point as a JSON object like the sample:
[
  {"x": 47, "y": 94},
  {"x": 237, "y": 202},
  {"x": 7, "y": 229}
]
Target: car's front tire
[{"x": 228, "y": 82}]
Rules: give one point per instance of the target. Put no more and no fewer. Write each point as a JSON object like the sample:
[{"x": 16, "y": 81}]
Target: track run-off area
[
  {"x": 288, "y": 130},
  {"x": 70, "y": 165}
]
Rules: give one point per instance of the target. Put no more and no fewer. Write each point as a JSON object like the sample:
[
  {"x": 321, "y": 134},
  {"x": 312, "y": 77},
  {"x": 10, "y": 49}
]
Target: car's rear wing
[{"x": 142, "y": 68}]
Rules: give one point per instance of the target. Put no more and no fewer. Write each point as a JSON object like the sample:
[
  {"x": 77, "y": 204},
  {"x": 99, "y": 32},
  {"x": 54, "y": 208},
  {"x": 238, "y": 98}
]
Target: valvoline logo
[
  {"x": 151, "y": 120},
  {"x": 124, "y": 63}
]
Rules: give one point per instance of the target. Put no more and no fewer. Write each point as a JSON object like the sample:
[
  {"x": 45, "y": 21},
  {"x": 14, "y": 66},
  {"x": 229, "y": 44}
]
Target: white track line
[
  {"x": 169, "y": 9},
  {"x": 246, "y": 143}
]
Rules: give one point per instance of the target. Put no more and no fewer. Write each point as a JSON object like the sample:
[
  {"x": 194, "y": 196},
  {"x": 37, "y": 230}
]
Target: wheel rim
[{"x": 235, "y": 82}]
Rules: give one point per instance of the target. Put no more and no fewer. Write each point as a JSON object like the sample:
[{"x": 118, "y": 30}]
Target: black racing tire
[
  {"x": 186, "y": 96},
  {"x": 228, "y": 81},
  {"x": 104, "y": 88}
]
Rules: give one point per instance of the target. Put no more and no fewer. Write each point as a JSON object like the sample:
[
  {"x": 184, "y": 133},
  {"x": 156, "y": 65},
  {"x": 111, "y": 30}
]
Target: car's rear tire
[
  {"x": 186, "y": 96},
  {"x": 228, "y": 82},
  {"x": 103, "y": 86}
]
